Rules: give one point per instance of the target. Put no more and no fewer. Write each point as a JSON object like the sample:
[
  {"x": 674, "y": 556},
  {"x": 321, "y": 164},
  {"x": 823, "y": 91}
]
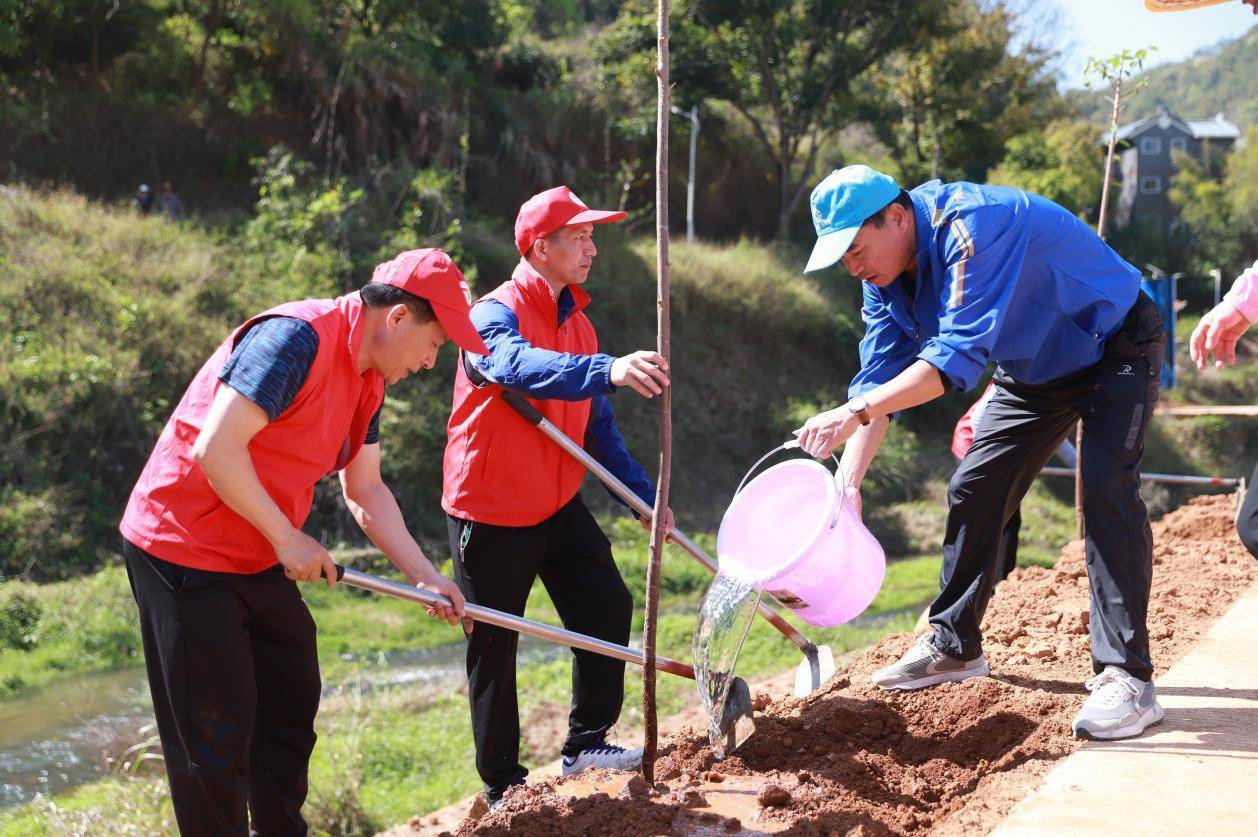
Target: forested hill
[{"x": 1218, "y": 79}]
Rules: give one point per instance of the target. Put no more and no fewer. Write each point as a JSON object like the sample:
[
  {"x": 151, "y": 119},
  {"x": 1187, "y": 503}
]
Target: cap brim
[
  {"x": 459, "y": 328},
  {"x": 596, "y": 216},
  {"x": 830, "y": 248}
]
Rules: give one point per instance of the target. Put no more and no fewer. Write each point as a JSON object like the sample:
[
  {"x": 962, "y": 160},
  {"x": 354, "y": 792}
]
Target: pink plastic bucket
[{"x": 790, "y": 534}]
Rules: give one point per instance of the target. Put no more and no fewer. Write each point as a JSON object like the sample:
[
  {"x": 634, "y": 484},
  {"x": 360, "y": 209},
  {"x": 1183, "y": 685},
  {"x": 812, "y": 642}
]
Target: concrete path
[{"x": 1195, "y": 773}]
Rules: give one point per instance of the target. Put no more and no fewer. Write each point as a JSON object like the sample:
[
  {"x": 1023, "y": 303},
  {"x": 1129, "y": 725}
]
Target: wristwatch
[{"x": 859, "y": 407}]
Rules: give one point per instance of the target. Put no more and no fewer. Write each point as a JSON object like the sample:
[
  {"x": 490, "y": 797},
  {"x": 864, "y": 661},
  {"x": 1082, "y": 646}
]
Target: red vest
[
  {"x": 176, "y": 515},
  {"x": 499, "y": 469}
]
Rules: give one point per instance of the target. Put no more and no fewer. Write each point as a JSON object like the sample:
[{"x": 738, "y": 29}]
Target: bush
[{"x": 19, "y": 616}]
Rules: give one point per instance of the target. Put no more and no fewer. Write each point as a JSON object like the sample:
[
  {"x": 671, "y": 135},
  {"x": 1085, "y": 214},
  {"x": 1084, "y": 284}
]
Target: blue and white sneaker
[
  {"x": 1120, "y": 706},
  {"x": 607, "y": 756}
]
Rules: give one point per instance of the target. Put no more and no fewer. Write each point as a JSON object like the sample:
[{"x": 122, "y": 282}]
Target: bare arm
[
  {"x": 222, "y": 451},
  {"x": 376, "y": 510}
]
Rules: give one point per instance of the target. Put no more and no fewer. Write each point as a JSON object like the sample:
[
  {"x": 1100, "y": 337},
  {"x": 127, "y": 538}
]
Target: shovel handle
[{"x": 398, "y": 590}]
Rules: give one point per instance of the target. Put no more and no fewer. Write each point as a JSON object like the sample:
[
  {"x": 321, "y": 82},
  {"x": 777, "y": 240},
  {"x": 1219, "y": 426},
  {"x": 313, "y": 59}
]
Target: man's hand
[
  {"x": 1217, "y": 334},
  {"x": 443, "y": 586},
  {"x": 824, "y": 432},
  {"x": 305, "y": 559},
  {"x": 669, "y": 525},
  {"x": 643, "y": 372}
]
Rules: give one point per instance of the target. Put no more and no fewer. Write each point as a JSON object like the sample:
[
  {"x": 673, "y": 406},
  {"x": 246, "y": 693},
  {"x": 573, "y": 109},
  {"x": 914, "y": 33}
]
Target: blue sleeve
[
  {"x": 270, "y": 362},
  {"x": 537, "y": 373},
  {"x": 885, "y": 350},
  {"x": 605, "y": 444},
  {"x": 372, "y": 436},
  {"x": 983, "y": 254}
]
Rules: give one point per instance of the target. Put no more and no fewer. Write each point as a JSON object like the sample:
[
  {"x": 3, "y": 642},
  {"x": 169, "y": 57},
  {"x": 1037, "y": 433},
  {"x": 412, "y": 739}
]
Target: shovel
[
  {"x": 818, "y": 664},
  {"x": 737, "y": 724}
]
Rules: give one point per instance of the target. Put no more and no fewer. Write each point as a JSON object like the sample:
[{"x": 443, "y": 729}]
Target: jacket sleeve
[
  {"x": 984, "y": 249},
  {"x": 1244, "y": 294},
  {"x": 885, "y": 350},
  {"x": 605, "y": 444},
  {"x": 517, "y": 364}
]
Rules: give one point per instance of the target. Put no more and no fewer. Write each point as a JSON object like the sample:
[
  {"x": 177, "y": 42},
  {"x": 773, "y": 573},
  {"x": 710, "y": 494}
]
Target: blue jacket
[
  {"x": 539, "y": 373},
  {"x": 1003, "y": 276}
]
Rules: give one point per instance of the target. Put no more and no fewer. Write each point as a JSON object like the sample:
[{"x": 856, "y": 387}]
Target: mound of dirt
[{"x": 851, "y": 758}]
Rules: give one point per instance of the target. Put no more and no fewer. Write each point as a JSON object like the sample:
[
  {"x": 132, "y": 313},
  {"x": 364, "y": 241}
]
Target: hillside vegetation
[{"x": 1218, "y": 79}]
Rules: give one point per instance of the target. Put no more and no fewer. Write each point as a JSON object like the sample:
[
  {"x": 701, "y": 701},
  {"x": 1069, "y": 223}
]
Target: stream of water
[{"x": 728, "y": 608}]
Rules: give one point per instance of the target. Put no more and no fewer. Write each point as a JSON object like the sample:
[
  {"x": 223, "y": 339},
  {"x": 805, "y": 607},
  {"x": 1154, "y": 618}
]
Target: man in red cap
[
  {"x": 213, "y": 541},
  {"x": 512, "y": 494}
]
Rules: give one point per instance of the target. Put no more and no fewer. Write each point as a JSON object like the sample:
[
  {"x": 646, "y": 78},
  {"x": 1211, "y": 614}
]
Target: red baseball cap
[
  {"x": 547, "y": 211},
  {"x": 431, "y": 275}
]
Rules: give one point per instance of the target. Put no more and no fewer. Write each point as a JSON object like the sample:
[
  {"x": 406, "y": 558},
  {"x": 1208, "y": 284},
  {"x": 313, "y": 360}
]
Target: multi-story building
[{"x": 1145, "y": 165}]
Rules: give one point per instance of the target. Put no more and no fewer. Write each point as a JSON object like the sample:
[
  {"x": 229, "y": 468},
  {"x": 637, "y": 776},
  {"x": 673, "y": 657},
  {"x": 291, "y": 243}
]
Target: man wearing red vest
[
  {"x": 213, "y": 541},
  {"x": 512, "y": 494}
]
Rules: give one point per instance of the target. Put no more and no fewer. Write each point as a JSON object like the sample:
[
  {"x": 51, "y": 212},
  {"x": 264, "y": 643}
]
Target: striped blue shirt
[{"x": 271, "y": 361}]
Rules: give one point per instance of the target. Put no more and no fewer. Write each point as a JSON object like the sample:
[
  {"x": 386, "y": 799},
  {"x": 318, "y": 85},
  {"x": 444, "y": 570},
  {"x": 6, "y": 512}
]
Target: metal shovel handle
[
  {"x": 532, "y": 416},
  {"x": 398, "y": 590}
]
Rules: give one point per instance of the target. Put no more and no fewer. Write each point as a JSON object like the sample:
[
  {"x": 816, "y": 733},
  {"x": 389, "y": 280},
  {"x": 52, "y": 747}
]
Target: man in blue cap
[{"x": 955, "y": 276}]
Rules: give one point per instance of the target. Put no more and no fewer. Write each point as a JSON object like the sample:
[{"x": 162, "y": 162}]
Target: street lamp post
[{"x": 693, "y": 116}]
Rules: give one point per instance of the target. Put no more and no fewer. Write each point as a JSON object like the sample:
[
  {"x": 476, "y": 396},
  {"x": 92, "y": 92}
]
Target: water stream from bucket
[{"x": 728, "y": 608}]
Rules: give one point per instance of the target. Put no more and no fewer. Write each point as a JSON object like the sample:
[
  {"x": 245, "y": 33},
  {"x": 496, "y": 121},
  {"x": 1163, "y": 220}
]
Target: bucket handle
[{"x": 789, "y": 445}]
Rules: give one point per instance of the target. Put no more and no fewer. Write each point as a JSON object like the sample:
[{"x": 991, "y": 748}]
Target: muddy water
[
  {"x": 727, "y": 611},
  {"x": 59, "y": 736}
]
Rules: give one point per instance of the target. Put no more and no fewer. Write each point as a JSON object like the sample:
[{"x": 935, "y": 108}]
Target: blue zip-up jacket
[
  {"x": 540, "y": 373},
  {"x": 1003, "y": 276}
]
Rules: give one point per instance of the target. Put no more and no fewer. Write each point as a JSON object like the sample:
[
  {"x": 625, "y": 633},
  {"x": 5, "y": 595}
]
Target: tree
[
  {"x": 1060, "y": 163},
  {"x": 785, "y": 66},
  {"x": 946, "y": 108},
  {"x": 1218, "y": 203}
]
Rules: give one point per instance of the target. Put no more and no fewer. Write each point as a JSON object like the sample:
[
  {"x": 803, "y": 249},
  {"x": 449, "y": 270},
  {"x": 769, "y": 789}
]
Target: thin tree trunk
[
  {"x": 1080, "y": 523},
  {"x": 198, "y": 71},
  {"x": 666, "y": 401}
]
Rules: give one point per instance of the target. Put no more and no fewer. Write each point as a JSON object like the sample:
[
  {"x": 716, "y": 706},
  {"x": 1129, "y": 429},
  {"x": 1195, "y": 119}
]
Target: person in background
[
  {"x": 1216, "y": 337},
  {"x": 169, "y": 203},
  {"x": 143, "y": 200}
]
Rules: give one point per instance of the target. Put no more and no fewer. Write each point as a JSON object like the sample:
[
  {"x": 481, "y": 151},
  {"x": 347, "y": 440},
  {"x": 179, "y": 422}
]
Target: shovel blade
[
  {"x": 813, "y": 671},
  {"x": 737, "y": 723}
]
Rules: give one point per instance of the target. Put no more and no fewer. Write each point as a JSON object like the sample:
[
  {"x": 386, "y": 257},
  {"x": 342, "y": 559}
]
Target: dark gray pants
[{"x": 1016, "y": 437}]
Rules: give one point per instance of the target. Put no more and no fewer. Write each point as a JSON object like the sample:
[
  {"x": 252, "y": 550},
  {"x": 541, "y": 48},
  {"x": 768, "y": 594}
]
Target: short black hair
[
  {"x": 380, "y": 295},
  {"x": 902, "y": 199}
]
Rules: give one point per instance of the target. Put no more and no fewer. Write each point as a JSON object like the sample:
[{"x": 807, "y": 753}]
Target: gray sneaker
[
  {"x": 925, "y": 665},
  {"x": 1120, "y": 706}
]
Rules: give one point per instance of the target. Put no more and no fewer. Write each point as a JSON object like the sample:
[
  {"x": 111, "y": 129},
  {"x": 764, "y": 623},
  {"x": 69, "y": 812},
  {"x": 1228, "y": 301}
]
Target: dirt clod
[{"x": 773, "y": 796}]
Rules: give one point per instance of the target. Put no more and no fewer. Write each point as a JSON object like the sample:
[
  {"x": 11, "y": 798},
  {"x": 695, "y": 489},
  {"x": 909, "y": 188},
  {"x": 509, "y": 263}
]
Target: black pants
[
  {"x": 1016, "y": 437},
  {"x": 1007, "y": 552},
  {"x": 1247, "y": 523},
  {"x": 234, "y": 674},
  {"x": 495, "y": 566}
]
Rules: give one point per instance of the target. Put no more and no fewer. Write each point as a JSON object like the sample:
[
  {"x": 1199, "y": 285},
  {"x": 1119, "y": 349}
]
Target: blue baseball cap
[{"x": 840, "y": 204}]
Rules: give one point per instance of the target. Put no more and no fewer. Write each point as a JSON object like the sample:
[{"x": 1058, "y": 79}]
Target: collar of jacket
[{"x": 535, "y": 291}]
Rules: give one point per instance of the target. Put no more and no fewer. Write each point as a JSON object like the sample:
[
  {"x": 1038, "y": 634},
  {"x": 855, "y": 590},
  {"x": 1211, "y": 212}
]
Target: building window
[
  {"x": 1150, "y": 185},
  {"x": 1179, "y": 143},
  {"x": 1150, "y": 145}
]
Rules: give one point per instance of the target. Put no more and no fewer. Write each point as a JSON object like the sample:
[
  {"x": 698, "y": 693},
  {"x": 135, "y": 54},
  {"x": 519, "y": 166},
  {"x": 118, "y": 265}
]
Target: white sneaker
[
  {"x": 604, "y": 755},
  {"x": 1120, "y": 706},
  {"x": 926, "y": 665}
]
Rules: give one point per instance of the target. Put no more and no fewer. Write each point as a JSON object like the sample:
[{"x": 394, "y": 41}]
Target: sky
[{"x": 1104, "y": 27}]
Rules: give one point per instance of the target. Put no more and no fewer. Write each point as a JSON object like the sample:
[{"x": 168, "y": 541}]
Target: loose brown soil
[{"x": 951, "y": 759}]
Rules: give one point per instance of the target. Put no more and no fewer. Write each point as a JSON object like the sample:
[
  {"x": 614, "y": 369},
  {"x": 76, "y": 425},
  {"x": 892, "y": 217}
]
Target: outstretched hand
[{"x": 1217, "y": 334}]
